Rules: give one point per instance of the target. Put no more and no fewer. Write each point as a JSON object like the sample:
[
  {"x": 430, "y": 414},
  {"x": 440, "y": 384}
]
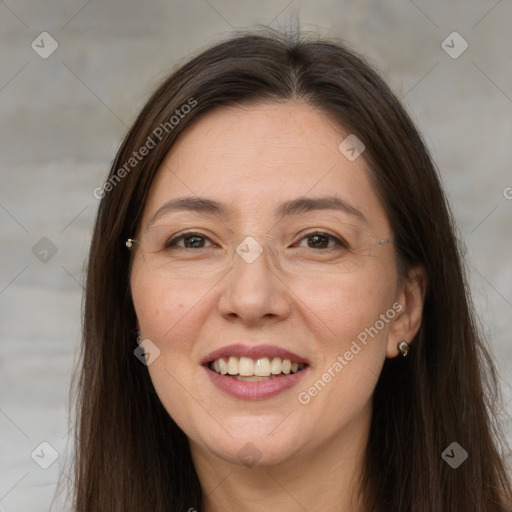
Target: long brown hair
[{"x": 130, "y": 455}]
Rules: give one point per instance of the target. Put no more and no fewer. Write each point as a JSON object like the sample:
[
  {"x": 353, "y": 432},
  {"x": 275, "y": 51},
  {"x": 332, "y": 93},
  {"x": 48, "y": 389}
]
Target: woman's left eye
[{"x": 321, "y": 241}]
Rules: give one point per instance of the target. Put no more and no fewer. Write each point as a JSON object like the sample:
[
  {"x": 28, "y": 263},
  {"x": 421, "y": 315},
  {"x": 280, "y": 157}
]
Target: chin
[{"x": 254, "y": 441}]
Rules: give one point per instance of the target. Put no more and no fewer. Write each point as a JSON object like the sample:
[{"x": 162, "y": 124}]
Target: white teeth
[
  {"x": 276, "y": 366},
  {"x": 233, "y": 366},
  {"x": 262, "y": 367},
  {"x": 223, "y": 366},
  {"x": 246, "y": 368}
]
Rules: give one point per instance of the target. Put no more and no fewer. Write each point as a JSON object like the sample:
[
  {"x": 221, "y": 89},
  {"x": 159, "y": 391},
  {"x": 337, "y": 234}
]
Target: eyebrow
[{"x": 297, "y": 206}]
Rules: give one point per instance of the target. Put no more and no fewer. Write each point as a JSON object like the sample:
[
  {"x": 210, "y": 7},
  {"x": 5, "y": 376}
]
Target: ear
[
  {"x": 137, "y": 325},
  {"x": 411, "y": 297}
]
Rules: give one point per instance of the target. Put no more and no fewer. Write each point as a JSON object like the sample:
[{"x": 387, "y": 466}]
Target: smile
[{"x": 255, "y": 370}]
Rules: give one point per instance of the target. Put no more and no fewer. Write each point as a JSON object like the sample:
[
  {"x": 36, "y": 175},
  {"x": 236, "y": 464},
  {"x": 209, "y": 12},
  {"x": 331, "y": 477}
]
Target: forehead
[{"x": 254, "y": 157}]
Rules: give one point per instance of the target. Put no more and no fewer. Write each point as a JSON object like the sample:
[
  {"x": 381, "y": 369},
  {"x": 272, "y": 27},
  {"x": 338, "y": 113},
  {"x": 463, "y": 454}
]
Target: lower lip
[{"x": 254, "y": 390}]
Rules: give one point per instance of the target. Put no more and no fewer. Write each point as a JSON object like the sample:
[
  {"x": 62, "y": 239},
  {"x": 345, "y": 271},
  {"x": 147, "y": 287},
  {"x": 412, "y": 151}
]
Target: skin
[{"x": 252, "y": 158}]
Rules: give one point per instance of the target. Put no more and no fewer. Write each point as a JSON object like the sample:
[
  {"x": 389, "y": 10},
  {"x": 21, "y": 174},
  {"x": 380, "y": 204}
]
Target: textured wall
[{"x": 63, "y": 116}]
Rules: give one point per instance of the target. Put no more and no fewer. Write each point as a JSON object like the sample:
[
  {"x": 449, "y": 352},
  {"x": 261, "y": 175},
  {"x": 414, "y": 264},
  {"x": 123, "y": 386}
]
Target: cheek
[
  {"x": 162, "y": 305},
  {"x": 345, "y": 306},
  {"x": 346, "y": 315},
  {"x": 168, "y": 316}
]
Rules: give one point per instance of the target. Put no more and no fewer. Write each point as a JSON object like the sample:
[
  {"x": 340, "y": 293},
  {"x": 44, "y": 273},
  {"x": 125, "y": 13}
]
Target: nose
[{"x": 253, "y": 289}]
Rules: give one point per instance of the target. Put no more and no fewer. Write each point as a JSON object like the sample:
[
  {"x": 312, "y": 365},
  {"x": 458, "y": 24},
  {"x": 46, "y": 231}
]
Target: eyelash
[{"x": 188, "y": 234}]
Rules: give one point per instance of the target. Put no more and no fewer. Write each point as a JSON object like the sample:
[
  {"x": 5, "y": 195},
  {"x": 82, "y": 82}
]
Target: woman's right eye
[{"x": 191, "y": 241}]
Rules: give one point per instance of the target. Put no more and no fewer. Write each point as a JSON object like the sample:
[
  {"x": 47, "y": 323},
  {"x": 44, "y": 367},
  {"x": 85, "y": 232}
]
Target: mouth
[
  {"x": 254, "y": 372},
  {"x": 262, "y": 369}
]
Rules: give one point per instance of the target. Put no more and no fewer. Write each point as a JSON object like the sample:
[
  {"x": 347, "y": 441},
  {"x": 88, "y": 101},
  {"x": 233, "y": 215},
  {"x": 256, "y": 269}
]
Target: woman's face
[{"x": 334, "y": 311}]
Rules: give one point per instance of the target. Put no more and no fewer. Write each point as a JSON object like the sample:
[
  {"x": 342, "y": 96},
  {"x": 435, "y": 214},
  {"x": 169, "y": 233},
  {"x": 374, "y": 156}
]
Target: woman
[{"x": 276, "y": 314}]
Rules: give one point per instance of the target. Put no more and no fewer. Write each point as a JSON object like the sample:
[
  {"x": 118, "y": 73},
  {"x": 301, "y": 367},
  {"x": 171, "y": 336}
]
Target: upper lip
[{"x": 254, "y": 352}]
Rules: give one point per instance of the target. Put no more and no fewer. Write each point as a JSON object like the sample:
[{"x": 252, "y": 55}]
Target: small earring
[
  {"x": 138, "y": 337},
  {"x": 403, "y": 346}
]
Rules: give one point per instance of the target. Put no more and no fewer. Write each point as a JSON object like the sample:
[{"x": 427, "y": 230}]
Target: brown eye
[
  {"x": 318, "y": 241},
  {"x": 321, "y": 241},
  {"x": 190, "y": 240},
  {"x": 193, "y": 241}
]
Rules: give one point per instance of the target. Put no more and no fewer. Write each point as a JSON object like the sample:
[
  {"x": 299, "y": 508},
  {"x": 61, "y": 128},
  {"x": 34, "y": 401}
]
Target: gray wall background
[{"x": 63, "y": 117}]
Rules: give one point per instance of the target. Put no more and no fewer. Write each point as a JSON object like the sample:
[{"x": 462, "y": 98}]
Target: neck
[{"x": 321, "y": 478}]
